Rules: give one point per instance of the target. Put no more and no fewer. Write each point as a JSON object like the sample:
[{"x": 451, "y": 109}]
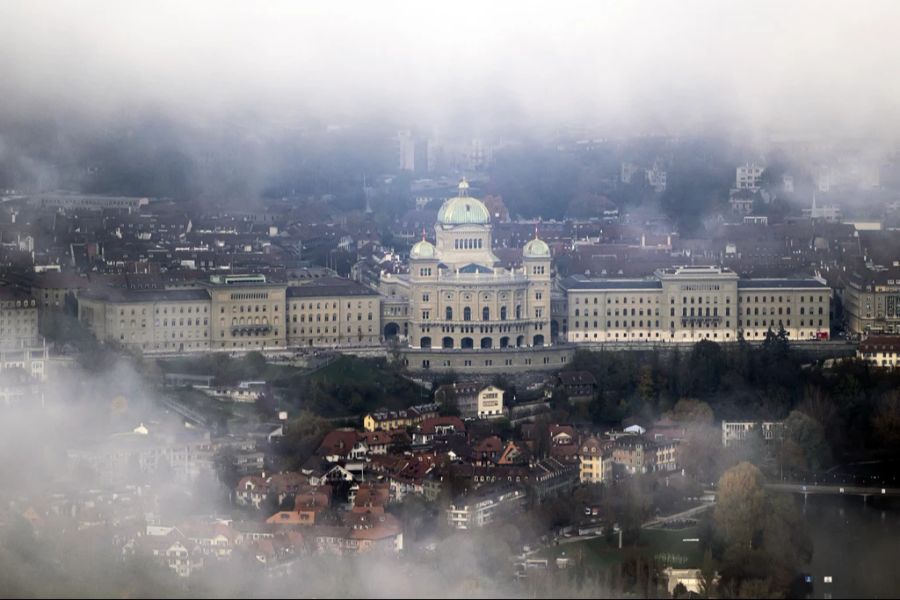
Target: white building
[
  {"x": 23, "y": 353},
  {"x": 736, "y": 432},
  {"x": 461, "y": 297},
  {"x": 483, "y": 507},
  {"x": 657, "y": 177},
  {"x": 749, "y": 177},
  {"x": 689, "y": 304},
  {"x": 882, "y": 351},
  {"x": 490, "y": 402}
]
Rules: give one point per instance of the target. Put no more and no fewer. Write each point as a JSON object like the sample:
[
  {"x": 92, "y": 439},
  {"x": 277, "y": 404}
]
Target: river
[{"x": 856, "y": 543}]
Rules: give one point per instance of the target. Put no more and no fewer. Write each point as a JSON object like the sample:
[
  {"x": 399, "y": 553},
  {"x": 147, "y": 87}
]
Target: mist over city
[{"x": 426, "y": 300}]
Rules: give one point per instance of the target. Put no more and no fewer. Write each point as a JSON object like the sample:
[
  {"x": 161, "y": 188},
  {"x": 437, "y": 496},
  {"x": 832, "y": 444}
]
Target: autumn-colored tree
[
  {"x": 741, "y": 504},
  {"x": 692, "y": 412}
]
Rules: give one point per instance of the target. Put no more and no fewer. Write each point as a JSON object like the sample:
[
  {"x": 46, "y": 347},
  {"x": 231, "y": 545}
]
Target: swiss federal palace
[{"x": 459, "y": 308}]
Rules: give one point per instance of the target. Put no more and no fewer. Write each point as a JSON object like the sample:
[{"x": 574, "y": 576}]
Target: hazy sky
[{"x": 633, "y": 66}]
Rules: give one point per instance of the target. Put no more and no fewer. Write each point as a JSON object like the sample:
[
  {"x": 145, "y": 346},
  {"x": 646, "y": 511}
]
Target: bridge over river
[{"x": 833, "y": 490}]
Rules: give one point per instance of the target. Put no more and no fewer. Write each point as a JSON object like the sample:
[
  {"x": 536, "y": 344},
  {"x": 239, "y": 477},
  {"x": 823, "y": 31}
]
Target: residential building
[
  {"x": 551, "y": 477},
  {"x": 578, "y": 385},
  {"x": 595, "y": 461},
  {"x": 749, "y": 177},
  {"x": 484, "y": 506},
  {"x": 490, "y": 403},
  {"x": 882, "y": 351},
  {"x": 389, "y": 420},
  {"x": 18, "y": 319},
  {"x": 474, "y": 400},
  {"x": 634, "y": 455}
]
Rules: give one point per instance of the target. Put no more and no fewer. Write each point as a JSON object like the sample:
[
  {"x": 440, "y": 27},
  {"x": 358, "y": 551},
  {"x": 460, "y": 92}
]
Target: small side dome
[
  {"x": 423, "y": 249},
  {"x": 536, "y": 248}
]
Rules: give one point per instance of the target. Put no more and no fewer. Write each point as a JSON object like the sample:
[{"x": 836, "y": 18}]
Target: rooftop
[
  {"x": 579, "y": 282},
  {"x": 780, "y": 283},
  {"x": 129, "y": 296},
  {"x": 880, "y": 343},
  {"x": 330, "y": 286}
]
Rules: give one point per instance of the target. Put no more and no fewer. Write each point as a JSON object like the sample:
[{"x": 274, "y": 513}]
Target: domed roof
[
  {"x": 536, "y": 248},
  {"x": 423, "y": 249},
  {"x": 464, "y": 210}
]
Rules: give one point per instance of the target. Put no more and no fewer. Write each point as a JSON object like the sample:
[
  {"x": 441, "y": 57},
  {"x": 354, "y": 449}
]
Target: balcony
[
  {"x": 245, "y": 330},
  {"x": 701, "y": 321}
]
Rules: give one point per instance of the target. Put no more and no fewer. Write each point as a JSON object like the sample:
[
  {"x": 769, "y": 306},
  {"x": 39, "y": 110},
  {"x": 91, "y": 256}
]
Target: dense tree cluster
[{"x": 841, "y": 413}]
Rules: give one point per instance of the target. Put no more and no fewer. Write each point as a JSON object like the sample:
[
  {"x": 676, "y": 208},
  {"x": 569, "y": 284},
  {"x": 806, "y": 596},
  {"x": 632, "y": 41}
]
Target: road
[{"x": 687, "y": 514}]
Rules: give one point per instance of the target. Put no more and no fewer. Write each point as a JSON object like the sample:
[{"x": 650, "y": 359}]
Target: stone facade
[
  {"x": 336, "y": 312},
  {"x": 872, "y": 301},
  {"x": 151, "y": 321},
  {"x": 248, "y": 313},
  {"x": 18, "y": 319},
  {"x": 690, "y": 304},
  {"x": 460, "y": 297},
  {"x": 235, "y": 313}
]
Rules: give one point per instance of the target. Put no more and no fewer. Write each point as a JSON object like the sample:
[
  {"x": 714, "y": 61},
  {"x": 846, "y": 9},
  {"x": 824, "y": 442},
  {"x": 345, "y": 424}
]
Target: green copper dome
[
  {"x": 536, "y": 248},
  {"x": 464, "y": 211},
  {"x": 422, "y": 249}
]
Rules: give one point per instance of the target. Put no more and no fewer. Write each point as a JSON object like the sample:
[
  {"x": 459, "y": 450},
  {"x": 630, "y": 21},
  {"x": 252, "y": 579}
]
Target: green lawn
[
  {"x": 357, "y": 371},
  {"x": 664, "y": 546},
  {"x": 668, "y": 547}
]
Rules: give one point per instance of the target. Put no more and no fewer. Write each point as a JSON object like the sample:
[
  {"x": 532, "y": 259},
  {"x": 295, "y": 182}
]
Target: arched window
[
  {"x": 467, "y": 314},
  {"x": 449, "y": 313},
  {"x": 518, "y": 311},
  {"x": 485, "y": 314},
  {"x": 502, "y": 313}
]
